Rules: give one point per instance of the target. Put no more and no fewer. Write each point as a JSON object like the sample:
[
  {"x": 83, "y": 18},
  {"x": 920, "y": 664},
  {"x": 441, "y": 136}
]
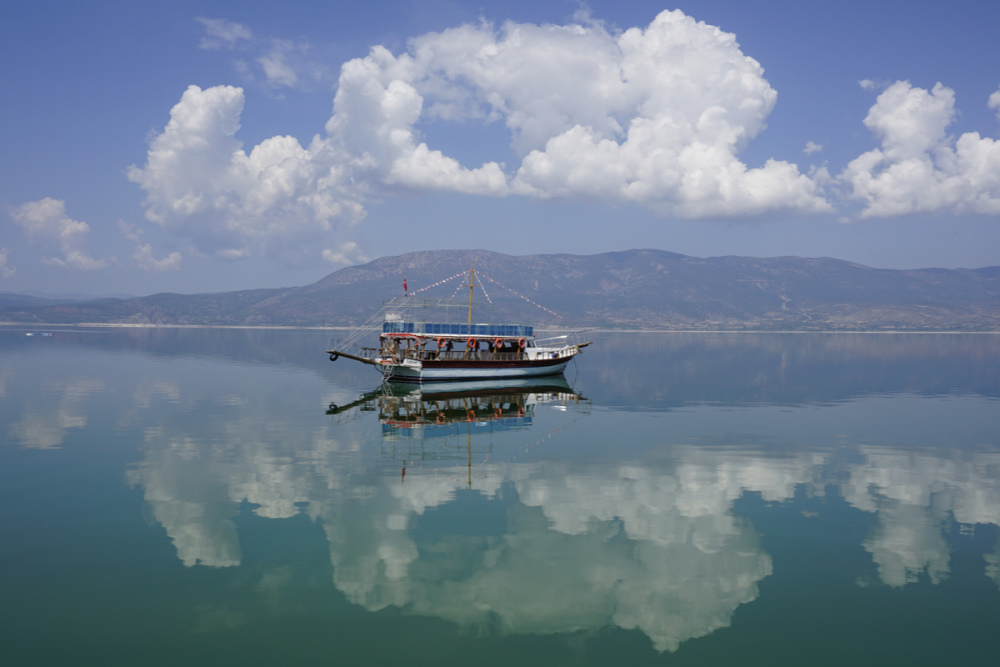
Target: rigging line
[
  {"x": 440, "y": 282},
  {"x": 372, "y": 324},
  {"x": 460, "y": 286},
  {"x": 485, "y": 293},
  {"x": 520, "y": 295}
]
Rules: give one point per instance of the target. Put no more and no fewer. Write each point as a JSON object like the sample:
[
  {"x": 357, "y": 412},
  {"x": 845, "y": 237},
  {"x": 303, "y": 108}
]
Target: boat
[{"x": 432, "y": 351}]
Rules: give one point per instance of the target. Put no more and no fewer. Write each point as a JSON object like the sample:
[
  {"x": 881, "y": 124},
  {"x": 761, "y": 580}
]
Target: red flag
[{"x": 404, "y": 284}]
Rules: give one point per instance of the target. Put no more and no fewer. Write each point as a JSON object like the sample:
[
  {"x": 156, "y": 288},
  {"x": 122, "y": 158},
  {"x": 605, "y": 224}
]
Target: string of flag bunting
[
  {"x": 440, "y": 282},
  {"x": 520, "y": 295},
  {"x": 483, "y": 287},
  {"x": 485, "y": 293}
]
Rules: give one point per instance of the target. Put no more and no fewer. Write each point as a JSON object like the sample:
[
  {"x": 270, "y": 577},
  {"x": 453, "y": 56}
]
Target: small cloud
[
  {"x": 874, "y": 85},
  {"x": 348, "y": 253},
  {"x": 6, "y": 270},
  {"x": 812, "y": 147},
  {"x": 128, "y": 231},
  {"x": 45, "y": 221},
  {"x": 221, "y": 34},
  {"x": 277, "y": 68},
  {"x": 76, "y": 259},
  {"x": 994, "y": 103},
  {"x": 143, "y": 255},
  {"x": 233, "y": 254},
  {"x": 280, "y": 63}
]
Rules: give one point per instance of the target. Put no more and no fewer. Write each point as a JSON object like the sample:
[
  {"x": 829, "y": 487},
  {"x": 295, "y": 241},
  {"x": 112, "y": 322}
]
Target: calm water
[{"x": 231, "y": 497}]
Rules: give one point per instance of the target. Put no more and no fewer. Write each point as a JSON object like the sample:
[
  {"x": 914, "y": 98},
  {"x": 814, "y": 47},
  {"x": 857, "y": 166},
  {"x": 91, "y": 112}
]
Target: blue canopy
[{"x": 485, "y": 330}]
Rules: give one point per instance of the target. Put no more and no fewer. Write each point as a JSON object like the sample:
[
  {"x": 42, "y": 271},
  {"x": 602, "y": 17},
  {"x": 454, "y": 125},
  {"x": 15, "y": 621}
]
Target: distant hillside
[
  {"x": 640, "y": 289},
  {"x": 35, "y": 299}
]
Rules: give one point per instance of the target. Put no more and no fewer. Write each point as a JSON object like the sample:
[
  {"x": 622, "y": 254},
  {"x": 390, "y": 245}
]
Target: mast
[{"x": 472, "y": 282}]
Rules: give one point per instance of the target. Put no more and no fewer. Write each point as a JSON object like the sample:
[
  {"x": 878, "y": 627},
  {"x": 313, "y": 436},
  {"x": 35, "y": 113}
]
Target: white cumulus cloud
[
  {"x": 655, "y": 116},
  {"x": 200, "y": 183},
  {"x": 919, "y": 167},
  {"x": 45, "y": 221}
]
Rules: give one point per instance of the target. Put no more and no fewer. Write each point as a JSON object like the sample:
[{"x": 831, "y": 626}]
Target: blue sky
[{"x": 208, "y": 146}]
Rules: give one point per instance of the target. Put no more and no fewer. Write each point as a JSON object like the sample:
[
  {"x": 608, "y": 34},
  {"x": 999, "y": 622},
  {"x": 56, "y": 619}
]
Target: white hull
[{"x": 416, "y": 371}]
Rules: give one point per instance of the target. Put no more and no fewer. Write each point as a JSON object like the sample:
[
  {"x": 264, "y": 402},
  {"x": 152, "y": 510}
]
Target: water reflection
[
  {"x": 566, "y": 548},
  {"x": 548, "y": 546},
  {"x": 916, "y": 496},
  {"x": 536, "y": 509},
  {"x": 61, "y": 406}
]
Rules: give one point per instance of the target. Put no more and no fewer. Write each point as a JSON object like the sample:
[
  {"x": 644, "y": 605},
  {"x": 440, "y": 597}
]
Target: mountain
[
  {"x": 33, "y": 299},
  {"x": 641, "y": 289}
]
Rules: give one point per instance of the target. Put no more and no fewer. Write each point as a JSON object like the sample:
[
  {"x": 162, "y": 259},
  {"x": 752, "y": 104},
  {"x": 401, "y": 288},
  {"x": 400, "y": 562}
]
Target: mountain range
[{"x": 634, "y": 289}]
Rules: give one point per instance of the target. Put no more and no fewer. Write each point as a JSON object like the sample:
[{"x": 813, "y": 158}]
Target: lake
[{"x": 214, "y": 496}]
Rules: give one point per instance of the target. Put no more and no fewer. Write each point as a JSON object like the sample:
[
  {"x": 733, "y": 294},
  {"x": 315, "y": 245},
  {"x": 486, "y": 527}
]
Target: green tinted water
[{"x": 231, "y": 497}]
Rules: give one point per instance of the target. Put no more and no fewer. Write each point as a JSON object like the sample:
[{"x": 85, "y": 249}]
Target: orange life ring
[
  {"x": 498, "y": 343},
  {"x": 471, "y": 416},
  {"x": 441, "y": 342},
  {"x": 472, "y": 342},
  {"x": 440, "y": 418},
  {"x": 521, "y": 343}
]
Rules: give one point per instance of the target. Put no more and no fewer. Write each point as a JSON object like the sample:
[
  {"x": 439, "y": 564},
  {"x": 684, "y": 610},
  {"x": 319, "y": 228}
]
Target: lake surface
[{"x": 206, "y": 497}]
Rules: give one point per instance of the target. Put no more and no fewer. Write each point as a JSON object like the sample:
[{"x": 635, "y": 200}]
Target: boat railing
[
  {"x": 458, "y": 355},
  {"x": 567, "y": 339}
]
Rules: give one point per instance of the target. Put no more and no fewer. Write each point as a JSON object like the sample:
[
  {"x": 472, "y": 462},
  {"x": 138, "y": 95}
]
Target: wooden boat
[{"x": 412, "y": 351}]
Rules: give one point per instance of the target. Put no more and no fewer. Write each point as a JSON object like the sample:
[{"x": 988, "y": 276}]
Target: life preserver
[
  {"x": 440, "y": 418},
  {"x": 498, "y": 343},
  {"x": 471, "y": 416},
  {"x": 441, "y": 342},
  {"x": 472, "y": 342},
  {"x": 521, "y": 343}
]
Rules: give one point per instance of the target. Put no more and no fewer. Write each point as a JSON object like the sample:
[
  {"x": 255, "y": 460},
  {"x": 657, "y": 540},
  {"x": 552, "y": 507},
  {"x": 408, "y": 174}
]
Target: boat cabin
[{"x": 426, "y": 341}]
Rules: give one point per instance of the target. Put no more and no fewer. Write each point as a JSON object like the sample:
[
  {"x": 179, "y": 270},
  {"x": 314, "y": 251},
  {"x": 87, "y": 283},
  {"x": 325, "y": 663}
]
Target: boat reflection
[{"x": 450, "y": 421}]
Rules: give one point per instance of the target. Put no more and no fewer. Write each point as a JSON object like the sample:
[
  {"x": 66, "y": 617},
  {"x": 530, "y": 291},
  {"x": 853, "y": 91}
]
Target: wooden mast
[{"x": 472, "y": 281}]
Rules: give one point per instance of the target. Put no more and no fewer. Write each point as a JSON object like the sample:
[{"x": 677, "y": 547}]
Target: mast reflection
[{"x": 448, "y": 422}]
